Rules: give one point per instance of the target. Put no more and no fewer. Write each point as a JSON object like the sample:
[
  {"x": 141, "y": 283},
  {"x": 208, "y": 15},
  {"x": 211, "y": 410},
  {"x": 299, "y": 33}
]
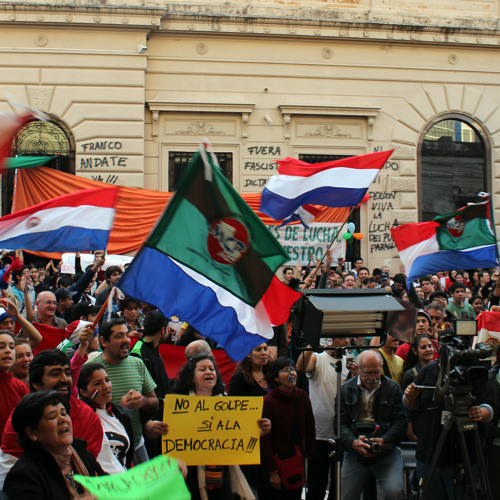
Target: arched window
[
  {"x": 39, "y": 138},
  {"x": 454, "y": 165}
]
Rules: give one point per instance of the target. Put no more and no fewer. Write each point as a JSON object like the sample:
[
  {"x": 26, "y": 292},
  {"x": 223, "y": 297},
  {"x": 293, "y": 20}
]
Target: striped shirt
[{"x": 131, "y": 373}]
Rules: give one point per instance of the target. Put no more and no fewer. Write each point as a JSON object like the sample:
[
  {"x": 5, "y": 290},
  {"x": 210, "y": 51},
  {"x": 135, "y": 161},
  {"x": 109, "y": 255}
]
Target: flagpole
[
  {"x": 493, "y": 226},
  {"x": 333, "y": 240}
]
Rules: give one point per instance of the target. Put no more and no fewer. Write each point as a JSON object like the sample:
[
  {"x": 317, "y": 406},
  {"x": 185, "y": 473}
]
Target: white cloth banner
[
  {"x": 302, "y": 243},
  {"x": 68, "y": 261}
]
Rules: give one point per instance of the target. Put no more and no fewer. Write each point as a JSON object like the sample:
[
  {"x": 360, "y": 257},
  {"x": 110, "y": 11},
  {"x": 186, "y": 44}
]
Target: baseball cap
[
  {"x": 63, "y": 293},
  {"x": 4, "y": 314},
  {"x": 437, "y": 293},
  {"x": 384, "y": 275}
]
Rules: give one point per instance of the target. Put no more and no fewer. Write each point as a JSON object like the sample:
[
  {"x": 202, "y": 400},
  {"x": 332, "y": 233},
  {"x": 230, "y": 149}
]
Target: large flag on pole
[
  {"x": 71, "y": 223},
  {"x": 210, "y": 260},
  {"x": 339, "y": 183},
  {"x": 460, "y": 240}
]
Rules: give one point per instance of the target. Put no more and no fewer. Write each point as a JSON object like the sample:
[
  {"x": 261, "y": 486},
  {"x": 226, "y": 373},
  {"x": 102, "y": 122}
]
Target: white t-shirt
[
  {"x": 115, "y": 444},
  {"x": 322, "y": 393}
]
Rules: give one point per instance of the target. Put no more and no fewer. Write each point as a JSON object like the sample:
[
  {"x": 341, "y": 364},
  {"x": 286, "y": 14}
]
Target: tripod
[{"x": 456, "y": 415}]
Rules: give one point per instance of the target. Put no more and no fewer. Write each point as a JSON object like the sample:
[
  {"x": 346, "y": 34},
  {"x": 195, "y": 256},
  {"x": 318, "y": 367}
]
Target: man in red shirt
[{"x": 50, "y": 370}]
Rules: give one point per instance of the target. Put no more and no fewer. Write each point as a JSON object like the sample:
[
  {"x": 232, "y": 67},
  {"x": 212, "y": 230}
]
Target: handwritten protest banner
[
  {"x": 86, "y": 259},
  {"x": 157, "y": 479},
  {"x": 212, "y": 430},
  {"x": 302, "y": 243}
]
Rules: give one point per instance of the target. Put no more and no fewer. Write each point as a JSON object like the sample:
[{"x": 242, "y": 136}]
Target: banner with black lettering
[{"x": 216, "y": 430}]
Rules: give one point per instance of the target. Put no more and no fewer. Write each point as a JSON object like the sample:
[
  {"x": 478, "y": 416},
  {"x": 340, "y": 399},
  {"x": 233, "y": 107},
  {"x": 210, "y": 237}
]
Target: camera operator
[
  {"x": 373, "y": 421},
  {"x": 468, "y": 389}
]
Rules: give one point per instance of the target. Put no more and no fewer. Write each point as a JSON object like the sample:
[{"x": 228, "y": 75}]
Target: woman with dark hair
[
  {"x": 130, "y": 311},
  {"x": 292, "y": 433},
  {"x": 251, "y": 378},
  {"x": 477, "y": 304},
  {"x": 421, "y": 352},
  {"x": 200, "y": 377},
  {"x": 94, "y": 388},
  {"x": 51, "y": 456}
]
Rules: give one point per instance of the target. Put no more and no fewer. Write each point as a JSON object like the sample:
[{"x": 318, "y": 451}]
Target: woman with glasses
[{"x": 292, "y": 431}]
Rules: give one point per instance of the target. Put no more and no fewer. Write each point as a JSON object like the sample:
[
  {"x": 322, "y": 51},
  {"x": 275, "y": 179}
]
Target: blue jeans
[{"x": 386, "y": 468}]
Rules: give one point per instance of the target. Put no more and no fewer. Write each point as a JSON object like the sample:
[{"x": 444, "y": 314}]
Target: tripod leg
[
  {"x": 468, "y": 468},
  {"x": 483, "y": 473},
  {"x": 429, "y": 471}
]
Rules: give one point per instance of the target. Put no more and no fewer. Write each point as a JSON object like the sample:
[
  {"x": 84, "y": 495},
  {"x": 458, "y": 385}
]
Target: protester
[
  {"x": 51, "y": 455},
  {"x": 200, "y": 377},
  {"x": 12, "y": 389},
  {"x": 252, "y": 375},
  {"x": 322, "y": 376},
  {"x": 421, "y": 353},
  {"x": 94, "y": 387},
  {"x": 24, "y": 356},
  {"x": 132, "y": 383},
  {"x": 292, "y": 432},
  {"x": 130, "y": 310}
]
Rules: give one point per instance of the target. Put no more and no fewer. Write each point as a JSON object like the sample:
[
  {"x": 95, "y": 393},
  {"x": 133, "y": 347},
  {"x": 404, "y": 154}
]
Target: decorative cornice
[
  {"x": 242, "y": 108},
  {"x": 288, "y": 110}
]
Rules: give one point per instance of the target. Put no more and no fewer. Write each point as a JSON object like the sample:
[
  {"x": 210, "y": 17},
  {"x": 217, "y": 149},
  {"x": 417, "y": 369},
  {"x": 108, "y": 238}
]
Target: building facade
[{"x": 132, "y": 88}]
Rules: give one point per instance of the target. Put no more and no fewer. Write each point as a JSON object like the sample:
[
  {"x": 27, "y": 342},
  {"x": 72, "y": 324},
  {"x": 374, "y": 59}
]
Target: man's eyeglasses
[{"x": 49, "y": 302}]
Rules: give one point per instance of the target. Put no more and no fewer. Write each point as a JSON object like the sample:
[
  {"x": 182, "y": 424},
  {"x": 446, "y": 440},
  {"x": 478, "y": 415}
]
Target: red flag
[{"x": 52, "y": 337}]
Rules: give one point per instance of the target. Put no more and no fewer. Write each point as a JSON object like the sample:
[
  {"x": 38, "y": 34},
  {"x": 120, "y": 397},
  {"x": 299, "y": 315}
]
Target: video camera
[{"x": 460, "y": 368}]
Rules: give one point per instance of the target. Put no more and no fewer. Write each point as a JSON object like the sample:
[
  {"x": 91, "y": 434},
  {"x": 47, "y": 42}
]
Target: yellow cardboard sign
[{"x": 217, "y": 430}]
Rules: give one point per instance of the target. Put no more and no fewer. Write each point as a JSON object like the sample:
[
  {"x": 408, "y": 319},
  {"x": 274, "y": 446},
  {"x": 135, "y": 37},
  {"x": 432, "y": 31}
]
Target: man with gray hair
[
  {"x": 198, "y": 348},
  {"x": 373, "y": 422}
]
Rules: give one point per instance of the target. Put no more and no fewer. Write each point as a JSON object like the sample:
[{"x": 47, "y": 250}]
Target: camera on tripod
[{"x": 459, "y": 366}]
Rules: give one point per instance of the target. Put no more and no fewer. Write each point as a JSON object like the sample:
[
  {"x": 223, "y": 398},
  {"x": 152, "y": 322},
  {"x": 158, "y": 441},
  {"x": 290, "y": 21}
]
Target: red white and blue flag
[
  {"x": 339, "y": 183},
  {"x": 464, "y": 239},
  {"x": 305, "y": 214},
  {"x": 74, "y": 222}
]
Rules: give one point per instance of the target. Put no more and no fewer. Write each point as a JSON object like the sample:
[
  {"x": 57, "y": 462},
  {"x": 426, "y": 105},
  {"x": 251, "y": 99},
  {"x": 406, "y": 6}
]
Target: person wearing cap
[
  {"x": 384, "y": 279},
  {"x": 423, "y": 325},
  {"x": 72, "y": 341},
  {"x": 46, "y": 306},
  {"x": 64, "y": 298}
]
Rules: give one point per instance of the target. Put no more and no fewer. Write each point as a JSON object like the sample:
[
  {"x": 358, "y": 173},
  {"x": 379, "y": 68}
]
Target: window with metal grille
[
  {"x": 39, "y": 138},
  {"x": 179, "y": 160}
]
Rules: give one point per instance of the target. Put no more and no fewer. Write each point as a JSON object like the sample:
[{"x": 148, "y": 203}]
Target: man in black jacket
[{"x": 373, "y": 422}]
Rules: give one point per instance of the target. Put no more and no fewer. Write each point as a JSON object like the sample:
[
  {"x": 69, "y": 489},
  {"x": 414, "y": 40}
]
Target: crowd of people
[{"x": 94, "y": 405}]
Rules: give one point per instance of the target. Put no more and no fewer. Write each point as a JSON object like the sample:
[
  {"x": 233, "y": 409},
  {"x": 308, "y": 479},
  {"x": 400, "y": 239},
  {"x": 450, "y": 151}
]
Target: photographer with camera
[
  {"x": 373, "y": 422},
  {"x": 452, "y": 390}
]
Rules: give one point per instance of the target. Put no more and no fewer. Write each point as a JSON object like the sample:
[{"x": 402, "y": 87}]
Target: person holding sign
[
  {"x": 200, "y": 377},
  {"x": 292, "y": 437},
  {"x": 51, "y": 456}
]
